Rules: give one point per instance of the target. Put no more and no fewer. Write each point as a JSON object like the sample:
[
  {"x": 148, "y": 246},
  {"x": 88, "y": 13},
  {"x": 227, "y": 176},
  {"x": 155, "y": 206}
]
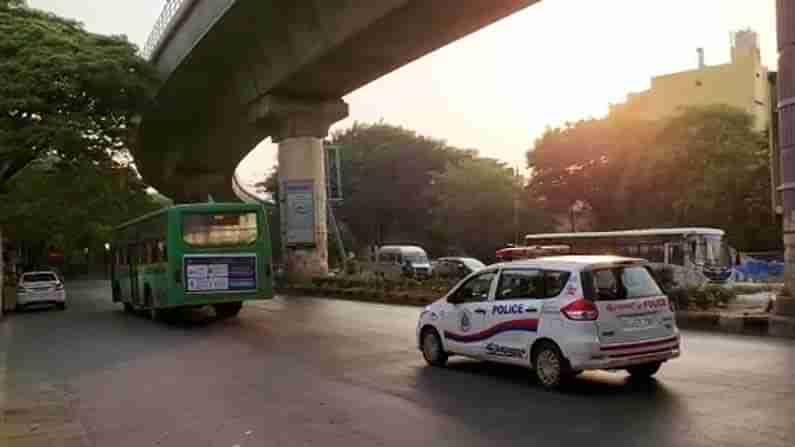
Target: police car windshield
[{"x": 619, "y": 283}]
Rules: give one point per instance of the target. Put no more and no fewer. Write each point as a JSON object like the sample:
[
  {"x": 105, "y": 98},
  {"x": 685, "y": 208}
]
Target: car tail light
[{"x": 581, "y": 310}]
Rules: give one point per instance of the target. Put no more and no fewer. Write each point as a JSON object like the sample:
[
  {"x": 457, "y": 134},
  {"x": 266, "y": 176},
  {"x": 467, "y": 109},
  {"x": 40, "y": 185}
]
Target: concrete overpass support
[
  {"x": 786, "y": 106},
  {"x": 299, "y": 128}
]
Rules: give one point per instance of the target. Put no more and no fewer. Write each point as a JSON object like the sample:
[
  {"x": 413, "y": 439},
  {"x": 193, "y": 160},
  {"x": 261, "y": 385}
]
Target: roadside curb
[
  {"x": 398, "y": 298},
  {"x": 759, "y": 325}
]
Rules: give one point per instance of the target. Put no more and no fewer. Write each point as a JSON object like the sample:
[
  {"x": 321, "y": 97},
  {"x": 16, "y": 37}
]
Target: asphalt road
[{"x": 303, "y": 372}]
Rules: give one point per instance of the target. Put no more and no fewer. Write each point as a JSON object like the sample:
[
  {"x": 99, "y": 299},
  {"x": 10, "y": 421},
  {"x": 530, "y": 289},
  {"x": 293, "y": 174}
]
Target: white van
[
  {"x": 558, "y": 315},
  {"x": 396, "y": 261}
]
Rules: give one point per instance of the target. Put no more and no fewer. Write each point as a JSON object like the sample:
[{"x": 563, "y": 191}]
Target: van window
[{"x": 619, "y": 283}]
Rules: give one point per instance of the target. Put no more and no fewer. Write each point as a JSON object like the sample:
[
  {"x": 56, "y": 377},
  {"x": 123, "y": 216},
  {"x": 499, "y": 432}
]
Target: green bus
[{"x": 193, "y": 255}]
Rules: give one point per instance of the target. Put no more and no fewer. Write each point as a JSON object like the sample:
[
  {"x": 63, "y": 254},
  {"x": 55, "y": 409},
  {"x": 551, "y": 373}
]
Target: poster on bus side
[{"x": 216, "y": 273}]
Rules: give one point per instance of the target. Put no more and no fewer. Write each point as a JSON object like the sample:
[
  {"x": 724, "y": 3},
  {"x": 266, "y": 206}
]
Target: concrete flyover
[{"x": 238, "y": 71}]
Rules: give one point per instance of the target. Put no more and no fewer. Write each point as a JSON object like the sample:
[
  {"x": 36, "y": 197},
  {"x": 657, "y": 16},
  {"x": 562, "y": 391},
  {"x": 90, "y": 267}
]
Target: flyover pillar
[
  {"x": 300, "y": 128},
  {"x": 786, "y": 108}
]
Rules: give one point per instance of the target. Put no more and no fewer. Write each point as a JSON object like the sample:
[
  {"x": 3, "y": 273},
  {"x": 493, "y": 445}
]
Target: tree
[
  {"x": 403, "y": 187},
  {"x": 719, "y": 174},
  {"x": 387, "y": 173},
  {"x": 475, "y": 201},
  {"x": 598, "y": 162},
  {"x": 65, "y": 92},
  {"x": 704, "y": 167},
  {"x": 72, "y": 207},
  {"x": 69, "y": 102}
]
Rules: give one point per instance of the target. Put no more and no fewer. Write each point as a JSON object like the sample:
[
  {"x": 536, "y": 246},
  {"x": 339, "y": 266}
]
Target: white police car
[{"x": 557, "y": 315}]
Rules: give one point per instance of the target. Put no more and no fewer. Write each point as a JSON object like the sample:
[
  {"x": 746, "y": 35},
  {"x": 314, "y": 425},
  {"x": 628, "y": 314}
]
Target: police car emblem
[{"x": 466, "y": 322}]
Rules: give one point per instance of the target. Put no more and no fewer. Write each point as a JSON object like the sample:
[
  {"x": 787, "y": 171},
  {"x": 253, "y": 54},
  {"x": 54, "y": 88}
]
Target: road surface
[{"x": 314, "y": 372}]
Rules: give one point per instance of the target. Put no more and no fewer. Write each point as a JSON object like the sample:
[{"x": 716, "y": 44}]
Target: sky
[{"x": 498, "y": 89}]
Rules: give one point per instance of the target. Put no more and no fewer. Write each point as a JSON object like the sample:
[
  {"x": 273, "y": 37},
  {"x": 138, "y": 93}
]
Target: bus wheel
[
  {"x": 158, "y": 314},
  {"x": 227, "y": 310}
]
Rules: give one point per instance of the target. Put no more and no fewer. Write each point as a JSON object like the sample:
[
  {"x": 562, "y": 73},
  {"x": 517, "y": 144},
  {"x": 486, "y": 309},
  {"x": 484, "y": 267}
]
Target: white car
[
  {"x": 40, "y": 288},
  {"x": 557, "y": 315}
]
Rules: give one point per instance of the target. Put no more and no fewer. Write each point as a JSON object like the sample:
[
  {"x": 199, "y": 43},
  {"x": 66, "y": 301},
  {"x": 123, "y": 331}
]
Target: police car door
[
  {"x": 514, "y": 315},
  {"x": 466, "y": 315}
]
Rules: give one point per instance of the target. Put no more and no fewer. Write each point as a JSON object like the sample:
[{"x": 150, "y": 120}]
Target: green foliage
[
  {"x": 664, "y": 275},
  {"x": 65, "y": 92},
  {"x": 704, "y": 298},
  {"x": 72, "y": 205},
  {"x": 704, "y": 167},
  {"x": 404, "y": 187},
  {"x": 473, "y": 209},
  {"x": 69, "y": 102}
]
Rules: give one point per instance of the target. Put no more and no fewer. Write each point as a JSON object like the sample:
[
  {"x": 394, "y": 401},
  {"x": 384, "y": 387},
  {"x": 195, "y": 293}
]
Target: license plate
[{"x": 638, "y": 322}]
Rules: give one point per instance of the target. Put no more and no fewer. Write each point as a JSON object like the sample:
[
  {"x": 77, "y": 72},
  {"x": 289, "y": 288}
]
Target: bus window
[
  {"x": 677, "y": 255},
  {"x": 214, "y": 230},
  {"x": 652, "y": 252}
]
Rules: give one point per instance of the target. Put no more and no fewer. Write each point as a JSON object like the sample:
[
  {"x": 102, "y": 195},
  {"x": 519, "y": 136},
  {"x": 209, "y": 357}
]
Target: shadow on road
[{"x": 502, "y": 400}]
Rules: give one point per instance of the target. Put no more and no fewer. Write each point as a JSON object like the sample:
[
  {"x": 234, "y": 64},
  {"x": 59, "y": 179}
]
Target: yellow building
[{"x": 742, "y": 83}]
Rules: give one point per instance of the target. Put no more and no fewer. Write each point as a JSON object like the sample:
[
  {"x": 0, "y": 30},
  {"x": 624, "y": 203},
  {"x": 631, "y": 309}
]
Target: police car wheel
[
  {"x": 644, "y": 371},
  {"x": 550, "y": 366},
  {"x": 432, "y": 349}
]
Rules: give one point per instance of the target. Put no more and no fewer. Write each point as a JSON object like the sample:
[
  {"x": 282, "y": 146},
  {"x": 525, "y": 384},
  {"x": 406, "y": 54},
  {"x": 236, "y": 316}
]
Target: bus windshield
[
  {"x": 710, "y": 250},
  {"x": 219, "y": 229}
]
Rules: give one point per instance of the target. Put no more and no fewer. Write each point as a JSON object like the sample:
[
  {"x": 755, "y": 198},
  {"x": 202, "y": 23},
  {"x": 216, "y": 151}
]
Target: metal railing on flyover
[{"x": 163, "y": 27}]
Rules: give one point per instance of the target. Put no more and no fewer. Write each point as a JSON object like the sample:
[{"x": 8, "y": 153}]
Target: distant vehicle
[
  {"x": 396, "y": 261},
  {"x": 185, "y": 256},
  {"x": 556, "y": 315},
  {"x": 695, "y": 255},
  {"x": 456, "y": 267},
  {"x": 41, "y": 288}
]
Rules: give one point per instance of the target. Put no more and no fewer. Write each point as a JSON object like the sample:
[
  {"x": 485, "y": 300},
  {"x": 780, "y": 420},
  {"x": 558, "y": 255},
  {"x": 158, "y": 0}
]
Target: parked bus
[
  {"x": 215, "y": 254},
  {"x": 695, "y": 255}
]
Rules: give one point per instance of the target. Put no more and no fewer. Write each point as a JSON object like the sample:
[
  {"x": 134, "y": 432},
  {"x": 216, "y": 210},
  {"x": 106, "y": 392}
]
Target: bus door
[{"x": 135, "y": 296}]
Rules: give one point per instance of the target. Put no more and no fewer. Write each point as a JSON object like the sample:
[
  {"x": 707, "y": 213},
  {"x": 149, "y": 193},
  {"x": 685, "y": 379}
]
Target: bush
[
  {"x": 747, "y": 289},
  {"x": 665, "y": 277},
  {"x": 704, "y": 298}
]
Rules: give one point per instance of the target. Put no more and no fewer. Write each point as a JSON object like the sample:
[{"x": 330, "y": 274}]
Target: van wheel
[
  {"x": 116, "y": 292},
  {"x": 432, "y": 348},
  {"x": 644, "y": 371},
  {"x": 552, "y": 369}
]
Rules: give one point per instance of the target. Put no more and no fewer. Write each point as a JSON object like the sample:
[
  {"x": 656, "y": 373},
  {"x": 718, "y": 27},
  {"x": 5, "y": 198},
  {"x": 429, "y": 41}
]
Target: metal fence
[{"x": 162, "y": 26}]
